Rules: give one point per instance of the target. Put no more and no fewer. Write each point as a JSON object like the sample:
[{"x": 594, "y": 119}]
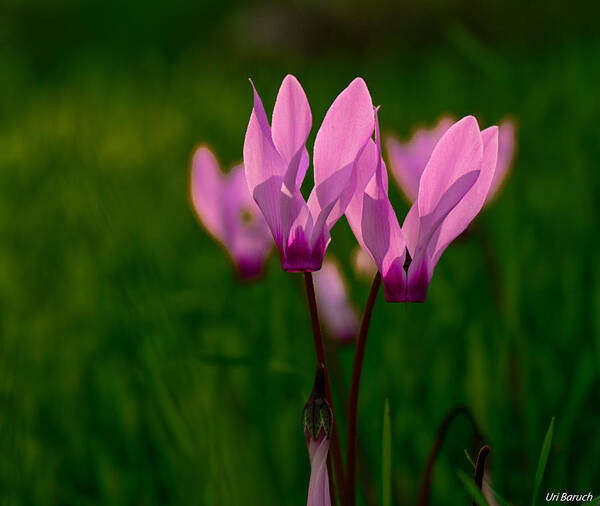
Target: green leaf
[
  {"x": 386, "y": 456},
  {"x": 539, "y": 474},
  {"x": 469, "y": 484}
]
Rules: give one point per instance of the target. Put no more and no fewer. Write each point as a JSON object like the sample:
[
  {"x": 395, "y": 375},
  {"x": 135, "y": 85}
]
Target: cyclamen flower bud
[{"x": 317, "y": 418}]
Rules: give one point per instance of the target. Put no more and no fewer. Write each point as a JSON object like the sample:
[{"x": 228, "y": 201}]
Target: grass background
[{"x": 135, "y": 369}]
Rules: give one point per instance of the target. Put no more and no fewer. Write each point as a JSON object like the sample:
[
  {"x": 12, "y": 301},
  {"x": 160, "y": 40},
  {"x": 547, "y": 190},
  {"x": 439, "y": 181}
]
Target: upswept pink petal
[
  {"x": 408, "y": 159},
  {"x": 335, "y": 307},
  {"x": 347, "y": 126},
  {"x": 506, "y": 151},
  {"x": 206, "y": 188},
  {"x": 469, "y": 206},
  {"x": 374, "y": 222},
  {"x": 318, "y": 486},
  {"x": 328, "y": 201},
  {"x": 267, "y": 196},
  {"x": 346, "y": 129},
  {"x": 366, "y": 165},
  {"x": 384, "y": 240},
  {"x": 420, "y": 233},
  {"x": 381, "y": 231},
  {"x": 264, "y": 167},
  {"x": 459, "y": 151},
  {"x": 422, "y": 264},
  {"x": 453, "y": 212},
  {"x": 261, "y": 158},
  {"x": 292, "y": 118}
]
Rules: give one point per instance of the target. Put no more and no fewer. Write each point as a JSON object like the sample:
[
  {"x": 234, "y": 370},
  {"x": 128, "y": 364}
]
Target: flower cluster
[{"x": 447, "y": 173}]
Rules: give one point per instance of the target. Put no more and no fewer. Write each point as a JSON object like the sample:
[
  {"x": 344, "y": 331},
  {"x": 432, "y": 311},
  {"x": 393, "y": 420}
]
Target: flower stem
[
  {"x": 359, "y": 353},
  {"x": 364, "y": 473},
  {"x": 435, "y": 448},
  {"x": 331, "y": 484},
  {"x": 320, "y": 353},
  {"x": 480, "y": 468}
]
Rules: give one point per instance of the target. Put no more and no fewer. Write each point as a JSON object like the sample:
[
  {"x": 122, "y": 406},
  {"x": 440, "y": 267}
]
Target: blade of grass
[
  {"x": 469, "y": 458},
  {"x": 468, "y": 483},
  {"x": 539, "y": 474},
  {"x": 386, "y": 456}
]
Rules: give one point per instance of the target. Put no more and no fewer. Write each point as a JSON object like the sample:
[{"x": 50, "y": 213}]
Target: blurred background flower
[
  {"x": 363, "y": 264},
  {"x": 335, "y": 306},
  {"x": 224, "y": 206},
  {"x": 134, "y": 369}
]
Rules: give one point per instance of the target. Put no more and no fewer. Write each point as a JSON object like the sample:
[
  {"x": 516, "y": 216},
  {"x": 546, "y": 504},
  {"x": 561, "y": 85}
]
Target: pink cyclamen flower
[
  {"x": 224, "y": 206},
  {"x": 276, "y": 160},
  {"x": 317, "y": 419},
  {"x": 452, "y": 190},
  {"x": 334, "y": 304},
  {"x": 408, "y": 159}
]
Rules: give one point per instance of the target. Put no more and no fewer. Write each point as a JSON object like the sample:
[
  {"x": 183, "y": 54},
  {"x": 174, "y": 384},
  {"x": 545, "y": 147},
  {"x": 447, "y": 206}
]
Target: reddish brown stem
[
  {"x": 359, "y": 355},
  {"x": 337, "y": 380},
  {"x": 331, "y": 484},
  {"x": 320, "y": 353}
]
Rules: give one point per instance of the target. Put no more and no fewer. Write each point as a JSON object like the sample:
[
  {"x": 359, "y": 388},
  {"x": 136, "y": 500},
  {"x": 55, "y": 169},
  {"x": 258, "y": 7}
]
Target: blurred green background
[{"x": 135, "y": 369}]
